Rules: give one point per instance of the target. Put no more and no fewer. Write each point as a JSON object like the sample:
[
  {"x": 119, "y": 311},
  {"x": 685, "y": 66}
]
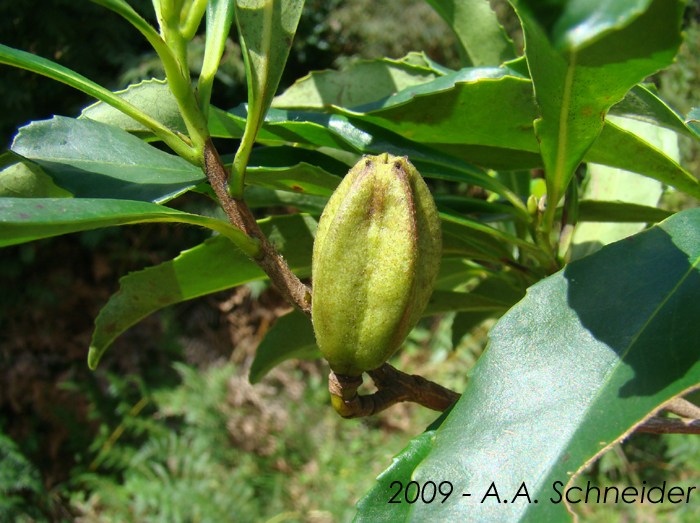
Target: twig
[
  {"x": 682, "y": 408},
  {"x": 239, "y": 215},
  {"x": 393, "y": 386},
  {"x": 658, "y": 425}
]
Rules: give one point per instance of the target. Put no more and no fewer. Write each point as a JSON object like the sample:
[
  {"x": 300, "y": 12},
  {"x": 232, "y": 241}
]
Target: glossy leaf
[
  {"x": 475, "y": 228},
  {"x": 483, "y": 40},
  {"x": 21, "y": 178},
  {"x": 302, "y": 178},
  {"x": 152, "y": 97},
  {"x": 693, "y": 121},
  {"x": 363, "y": 82},
  {"x": 266, "y": 30},
  {"x": 484, "y": 209},
  {"x": 260, "y": 197},
  {"x": 39, "y": 65},
  {"x": 486, "y": 106},
  {"x": 213, "y": 266},
  {"x": 462, "y": 241},
  {"x": 420, "y": 59},
  {"x": 485, "y": 117},
  {"x": 459, "y": 274},
  {"x": 642, "y": 103},
  {"x": 594, "y": 61},
  {"x": 616, "y": 147},
  {"x": 94, "y": 160},
  {"x": 27, "y": 219},
  {"x": 293, "y": 169},
  {"x": 619, "y": 212},
  {"x": 572, "y": 24},
  {"x": 219, "y": 19},
  {"x": 610, "y": 184},
  {"x": 445, "y": 301},
  {"x": 568, "y": 372},
  {"x": 291, "y": 337},
  {"x": 352, "y": 135}
]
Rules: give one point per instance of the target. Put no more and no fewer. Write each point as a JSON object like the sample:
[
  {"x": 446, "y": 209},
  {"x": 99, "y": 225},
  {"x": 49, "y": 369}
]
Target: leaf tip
[{"x": 94, "y": 356}]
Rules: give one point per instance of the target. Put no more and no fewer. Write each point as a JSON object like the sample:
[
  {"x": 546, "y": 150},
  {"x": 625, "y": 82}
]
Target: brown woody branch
[
  {"x": 393, "y": 386},
  {"x": 688, "y": 423},
  {"x": 682, "y": 408},
  {"x": 659, "y": 425},
  {"x": 239, "y": 215}
]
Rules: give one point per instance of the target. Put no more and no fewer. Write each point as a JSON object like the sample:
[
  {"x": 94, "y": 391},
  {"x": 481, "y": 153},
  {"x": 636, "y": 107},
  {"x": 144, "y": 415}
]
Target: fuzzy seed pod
[{"x": 375, "y": 260}]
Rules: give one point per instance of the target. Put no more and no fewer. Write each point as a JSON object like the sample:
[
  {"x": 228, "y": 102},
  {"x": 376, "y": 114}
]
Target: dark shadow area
[{"x": 640, "y": 297}]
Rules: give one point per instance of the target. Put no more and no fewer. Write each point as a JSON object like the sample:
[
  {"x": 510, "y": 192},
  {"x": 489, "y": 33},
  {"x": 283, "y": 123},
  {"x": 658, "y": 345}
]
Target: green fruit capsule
[{"x": 376, "y": 257}]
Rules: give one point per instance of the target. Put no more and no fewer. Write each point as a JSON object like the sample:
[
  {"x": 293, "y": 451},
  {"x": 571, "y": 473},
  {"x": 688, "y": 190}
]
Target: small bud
[
  {"x": 375, "y": 260},
  {"x": 532, "y": 205}
]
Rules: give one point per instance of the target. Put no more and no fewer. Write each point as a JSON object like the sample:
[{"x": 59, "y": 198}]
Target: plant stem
[
  {"x": 192, "y": 18},
  {"x": 171, "y": 47},
  {"x": 658, "y": 425},
  {"x": 240, "y": 216},
  {"x": 682, "y": 408},
  {"x": 393, "y": 386},
  {"x": 240, "y": 161}
]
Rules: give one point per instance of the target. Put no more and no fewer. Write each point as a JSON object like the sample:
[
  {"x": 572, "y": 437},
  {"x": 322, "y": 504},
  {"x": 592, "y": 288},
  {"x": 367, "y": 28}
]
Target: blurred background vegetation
[{"x": 169, "y": 429}]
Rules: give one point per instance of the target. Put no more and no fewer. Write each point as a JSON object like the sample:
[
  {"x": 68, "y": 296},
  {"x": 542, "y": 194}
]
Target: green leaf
[
  {"x": 266, "y": 30},
  {"x": 153, "y": 97},
  {"x": 483, "y": 40},
  {"x": 445, "y": 301},
  {"x": 486, "y": 106},
  {"x": 464, "y": 322},
  {"x": 363, "y": 82},
  {"x": 94, "y": 160},
  {"x": 420, "y": 59},
  {"x": 301, "y": 178},
  {"x": 616, "y": 147},
  {"x": 374, "y": 507},
  {"x": 572, "y": 24},
  {"x": 459, "y": 274},
  {"x": 27, "y": 219},
  {"x": 219, "y": 19},
  {"x": 261, "y": 197},
  {"x": 485, "y": 210},
  {"x": 568, "y": 372},
  {"x": 693, "y": 121},
  {"x": 619, "y": 212},
  {"x": 465, "y": 242},
  {"x": 356, "y": 136},
  {"x": 594, "y": 61},
  {"x": 294, "y": 169},
  {"x": 291, "y": 337},
  {"x": 213, "y": 266},
  {"x": 25, "y": 179},
  {"x": 475, "y": 229},
  {"x": 45, "y": 67},
  {"x": 642, "y": 104},
  {"x": 485, "y": 117},
  {"x": 610, "y": 184}
]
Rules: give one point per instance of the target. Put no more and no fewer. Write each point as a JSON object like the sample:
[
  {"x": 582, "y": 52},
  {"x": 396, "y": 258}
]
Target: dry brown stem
[
  {"x": 239, "y": 215},
  {"x": 659, "y": 425},
  {"x": 393, "y": 386}
]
